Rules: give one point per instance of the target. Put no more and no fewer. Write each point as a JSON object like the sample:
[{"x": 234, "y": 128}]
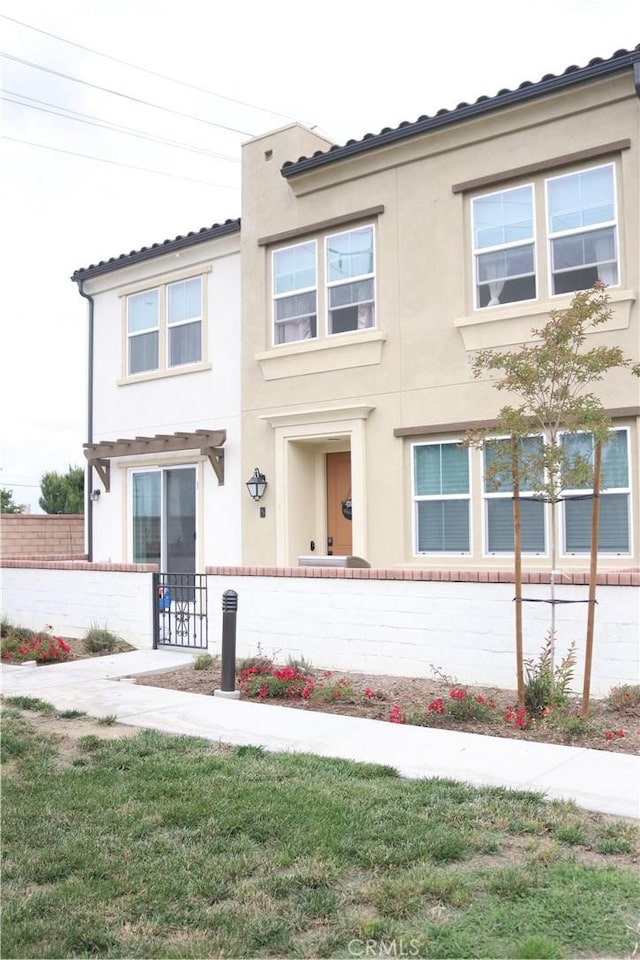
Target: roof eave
[
  {"x": 156, "y": 250},
  {"x": 528, "y": 91}
]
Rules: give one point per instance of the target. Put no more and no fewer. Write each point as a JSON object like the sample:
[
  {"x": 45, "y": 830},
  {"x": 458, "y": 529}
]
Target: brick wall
[{"x": 41, "y": 535}]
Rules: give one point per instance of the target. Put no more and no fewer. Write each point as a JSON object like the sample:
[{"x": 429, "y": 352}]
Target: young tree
[
  {"x": 7, "y": 504},
  {"x": 551, "y": 379},
  {"x": 63, "y": 493}
]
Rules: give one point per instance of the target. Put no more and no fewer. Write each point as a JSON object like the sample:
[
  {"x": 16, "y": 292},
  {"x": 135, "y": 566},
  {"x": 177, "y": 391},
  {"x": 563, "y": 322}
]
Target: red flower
[
  {"x": 396, "y": 714},
  {"x": 369, "y": 693},
  {"x": 608, "y": 734},
  {"x": 457, "y": 694},
  {"x": 480, "y": 699},
  {"x": 619, "y": 733}
]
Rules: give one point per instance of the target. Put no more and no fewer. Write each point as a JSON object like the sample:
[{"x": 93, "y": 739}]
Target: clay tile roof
[
  {"x": 528, "y": 90},
  {"x": 157, "y": 249}
]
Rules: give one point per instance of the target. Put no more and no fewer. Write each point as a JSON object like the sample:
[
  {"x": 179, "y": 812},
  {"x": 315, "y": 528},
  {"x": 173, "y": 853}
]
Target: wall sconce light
[
  {"x": 256, "y": 484},
  {"x": 94, "y": 495}
]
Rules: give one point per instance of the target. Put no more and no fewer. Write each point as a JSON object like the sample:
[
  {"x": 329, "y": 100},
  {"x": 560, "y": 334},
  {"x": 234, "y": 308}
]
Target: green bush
[
  {"x": 203, "y": 661},
  {"x": 100, "y": 640},
  {"x": 624, "y": 697},
  {"x": 545, "y": 687}
]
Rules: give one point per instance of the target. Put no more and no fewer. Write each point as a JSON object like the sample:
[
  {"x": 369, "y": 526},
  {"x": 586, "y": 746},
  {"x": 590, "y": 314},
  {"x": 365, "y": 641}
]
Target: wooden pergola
[{"x": 210, "y": 443}]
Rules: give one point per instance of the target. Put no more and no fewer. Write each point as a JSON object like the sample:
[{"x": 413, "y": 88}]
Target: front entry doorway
[{"x": 339, "y": 528}]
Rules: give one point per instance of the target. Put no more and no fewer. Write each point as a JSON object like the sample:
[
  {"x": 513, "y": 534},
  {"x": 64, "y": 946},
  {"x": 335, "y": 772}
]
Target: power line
[
  {"x": 125, "y": 96},
  {"x": 107, "y": 125},
  {"x": 118, "y": 163},
  {"x": 151, "y": 73}
]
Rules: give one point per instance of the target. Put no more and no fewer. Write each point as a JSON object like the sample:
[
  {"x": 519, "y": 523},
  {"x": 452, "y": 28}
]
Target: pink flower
[{"x": 369, "y": 693}]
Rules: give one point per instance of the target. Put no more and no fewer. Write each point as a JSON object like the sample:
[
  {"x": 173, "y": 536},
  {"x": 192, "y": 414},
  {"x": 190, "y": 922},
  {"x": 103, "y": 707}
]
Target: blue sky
[{"x": 356, "y": 68}]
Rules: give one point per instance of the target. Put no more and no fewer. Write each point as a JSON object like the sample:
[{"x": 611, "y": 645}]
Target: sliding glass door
[{"x": 164, "y": 518}]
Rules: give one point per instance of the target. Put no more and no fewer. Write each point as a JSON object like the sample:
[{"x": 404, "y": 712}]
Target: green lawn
[{"x": 163, "y": 847}]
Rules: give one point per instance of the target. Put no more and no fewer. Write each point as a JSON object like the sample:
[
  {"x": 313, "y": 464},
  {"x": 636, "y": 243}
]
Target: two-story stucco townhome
[
  {"x": 164, "y": 402},
  {"x": 373, "y": 271}
]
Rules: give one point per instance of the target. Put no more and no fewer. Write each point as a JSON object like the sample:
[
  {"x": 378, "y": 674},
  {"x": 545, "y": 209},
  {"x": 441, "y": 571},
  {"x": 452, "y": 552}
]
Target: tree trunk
[
  {"x": 517, "y": 554},
  {"x": 593, "y": 573}
]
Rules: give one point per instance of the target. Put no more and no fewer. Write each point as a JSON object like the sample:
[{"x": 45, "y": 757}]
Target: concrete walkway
[{"x": 594, "y": 779}]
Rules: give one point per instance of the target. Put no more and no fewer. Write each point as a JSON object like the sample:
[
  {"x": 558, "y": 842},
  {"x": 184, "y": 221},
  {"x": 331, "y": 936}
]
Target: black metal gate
[{"x": 180, "y": 610}]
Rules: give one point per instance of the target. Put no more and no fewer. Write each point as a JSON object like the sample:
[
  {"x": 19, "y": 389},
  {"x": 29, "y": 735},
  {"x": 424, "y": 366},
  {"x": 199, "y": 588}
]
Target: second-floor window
[
  {"x": 164, "y": 326},
  {"x": 546, "y": 238},
  {"x": 324, "y": 288}
]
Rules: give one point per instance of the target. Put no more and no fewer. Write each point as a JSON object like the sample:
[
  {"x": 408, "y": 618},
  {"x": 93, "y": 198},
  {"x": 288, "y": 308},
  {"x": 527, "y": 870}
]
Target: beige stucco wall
[{"x": 413, "y": 370}]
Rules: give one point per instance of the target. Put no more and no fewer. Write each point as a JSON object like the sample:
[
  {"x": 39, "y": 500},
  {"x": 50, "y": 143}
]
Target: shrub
[
  {"x": 203, "y": 661},
  {"x": 342, "y": 690},
  {"x": 301, "y": 665},
  {"x": 264, "y": 681},
  {"x": 545, "y": 687},
  {"x": 100, "y": 640},
  {"x": 624, "y": 697},
  {"x": 41, "y": 647}
]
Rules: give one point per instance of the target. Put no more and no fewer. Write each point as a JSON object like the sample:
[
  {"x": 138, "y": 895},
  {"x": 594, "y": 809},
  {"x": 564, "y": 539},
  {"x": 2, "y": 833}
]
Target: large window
[
  {"x": 580, "y": 222},
  {"x": 441, "y": 498},
  {"x": 164, "y": 326},
  {"x": 338, "y": 285},
  {"x": 498, "y": 497},
  {"x": 613, "y": 529}
]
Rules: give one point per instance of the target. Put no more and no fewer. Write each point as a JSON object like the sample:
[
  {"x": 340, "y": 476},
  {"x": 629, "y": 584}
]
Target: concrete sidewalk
[{"x": 594, "y": 779}]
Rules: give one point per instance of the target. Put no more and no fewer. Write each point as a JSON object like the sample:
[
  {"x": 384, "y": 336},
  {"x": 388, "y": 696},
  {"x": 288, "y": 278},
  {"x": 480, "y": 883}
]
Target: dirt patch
[{"x": 413, "y": 695}]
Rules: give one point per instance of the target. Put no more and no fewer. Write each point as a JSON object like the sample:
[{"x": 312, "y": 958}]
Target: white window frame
[
  {"x": 333, "y": 284},
  {"x": 419, "y": 498},
  {"x": 488, "y": 495},
  {"x": 190, "y": 321},
  {"x": 298, "y": 291},
  {"x": 133, "y": 335},
  {"x": 162, "y": 329},
  {"x": 477, "y": 252},
  {"x": 626, "y": 491},
  {"x": 582, "y": 230}
]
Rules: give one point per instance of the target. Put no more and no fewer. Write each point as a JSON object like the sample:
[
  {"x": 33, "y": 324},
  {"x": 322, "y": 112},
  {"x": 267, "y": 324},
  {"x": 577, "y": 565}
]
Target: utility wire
[
  {"x": 125, "y": 96},
  {"x": 151, "y": 73},
  {"x": 118, "y": 163},
  {"x": 107, "y": 125}
]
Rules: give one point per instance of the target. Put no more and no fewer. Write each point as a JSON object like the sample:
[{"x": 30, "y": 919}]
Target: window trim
[
  {"x": 511, "y": 245},
  {"x": 578, "y": 231},
  {"x": 163, "y": 369},
  {"x": 331, "y": 284},
  {"x": 297, "y": 292},
  {"x": 418, "y": 498},
  {"x": 605, "y": 491},
  {"x": 542, "y": 234},
  {"x": 322, "y": 286}
]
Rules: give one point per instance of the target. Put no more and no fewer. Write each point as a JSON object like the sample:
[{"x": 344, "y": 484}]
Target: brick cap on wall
[
  {"x": 610, "y": 578},
  {"x": 39, "y": 564}
]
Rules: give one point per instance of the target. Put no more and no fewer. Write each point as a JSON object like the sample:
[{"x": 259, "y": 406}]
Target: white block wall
[
  {"x": 74, "y": 600},
  {"x": 417, "y": 628}
]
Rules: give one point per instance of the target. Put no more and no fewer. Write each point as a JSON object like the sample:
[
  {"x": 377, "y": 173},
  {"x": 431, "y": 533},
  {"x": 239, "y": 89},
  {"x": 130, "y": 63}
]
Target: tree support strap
[{"x": 538, "y": 600}]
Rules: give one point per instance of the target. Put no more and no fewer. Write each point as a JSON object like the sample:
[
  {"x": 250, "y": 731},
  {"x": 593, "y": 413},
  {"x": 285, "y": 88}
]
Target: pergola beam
[{"x": 209, "y": 442}]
